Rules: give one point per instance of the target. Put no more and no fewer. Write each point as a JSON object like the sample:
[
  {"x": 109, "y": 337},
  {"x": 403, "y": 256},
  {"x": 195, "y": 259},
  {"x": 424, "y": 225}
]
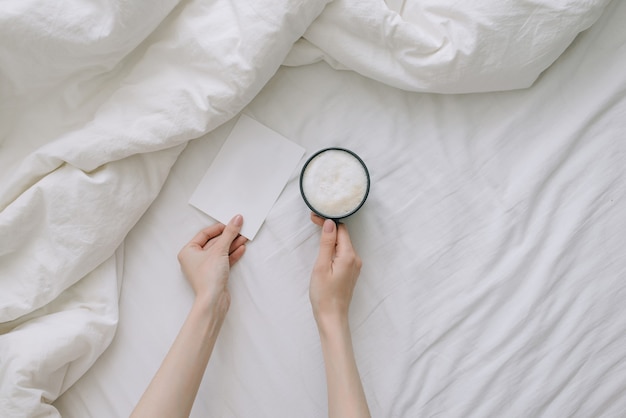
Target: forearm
[
  {"x": 172, "y": 391},
  {"x": 346, "y": 397}
]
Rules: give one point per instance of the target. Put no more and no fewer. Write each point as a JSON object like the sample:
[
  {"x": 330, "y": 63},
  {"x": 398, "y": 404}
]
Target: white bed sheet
[{"x": 492, "y": 240}]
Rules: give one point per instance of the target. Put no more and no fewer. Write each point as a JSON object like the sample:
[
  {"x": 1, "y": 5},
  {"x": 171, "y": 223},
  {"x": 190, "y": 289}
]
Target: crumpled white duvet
[
  {"x": 98, "y": 99},
  {"x": 446, "y": 46}
]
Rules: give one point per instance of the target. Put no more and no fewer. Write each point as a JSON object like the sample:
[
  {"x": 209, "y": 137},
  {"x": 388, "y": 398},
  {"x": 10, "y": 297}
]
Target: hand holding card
[{"x": 247, "y": 176}]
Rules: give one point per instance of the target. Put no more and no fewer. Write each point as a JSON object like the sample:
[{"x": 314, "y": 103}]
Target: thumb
[
  {"x": 327, "y": 243},
  {"x": 230, "y": 233}
]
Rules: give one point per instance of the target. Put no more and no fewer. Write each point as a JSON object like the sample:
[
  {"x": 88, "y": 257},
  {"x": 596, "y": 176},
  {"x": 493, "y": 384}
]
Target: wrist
[
  {"x": 331, "y": 324},
  {"x": 211, "y": 311}
]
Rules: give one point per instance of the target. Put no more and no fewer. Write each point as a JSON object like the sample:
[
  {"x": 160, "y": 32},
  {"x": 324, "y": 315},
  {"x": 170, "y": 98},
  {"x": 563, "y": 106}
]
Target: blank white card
[{"x": 247, "y": 176}]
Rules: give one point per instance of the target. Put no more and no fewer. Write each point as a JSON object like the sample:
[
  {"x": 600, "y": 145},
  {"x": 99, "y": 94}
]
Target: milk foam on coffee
[{"x": 334, "y": 183}]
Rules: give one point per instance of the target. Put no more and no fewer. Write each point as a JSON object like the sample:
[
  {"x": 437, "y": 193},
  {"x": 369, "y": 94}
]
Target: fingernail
[
  {"x": 238, "y": 221},
  {"x": 329, "y": 226}
]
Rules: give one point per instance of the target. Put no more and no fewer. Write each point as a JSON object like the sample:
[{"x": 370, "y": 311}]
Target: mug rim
[{"x": 367, "y": 189}]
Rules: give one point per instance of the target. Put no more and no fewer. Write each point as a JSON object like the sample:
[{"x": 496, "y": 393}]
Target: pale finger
[
  {"x": 236, "y": 255},
  {"x": 238, "y": 242},
  {"x": 327, "y": 243},
  {"x": 317, "y": 220},
  {"x": 344, "y": 243},
  {"x": 229, "y": 234},
  {"x": 205, "y": 235}
]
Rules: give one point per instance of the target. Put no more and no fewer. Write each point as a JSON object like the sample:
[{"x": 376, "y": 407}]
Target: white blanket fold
[
  {"x": 446, "y": 46},
  {"x": 70, "y": 204},
  {"x": 132, "y": 82}
]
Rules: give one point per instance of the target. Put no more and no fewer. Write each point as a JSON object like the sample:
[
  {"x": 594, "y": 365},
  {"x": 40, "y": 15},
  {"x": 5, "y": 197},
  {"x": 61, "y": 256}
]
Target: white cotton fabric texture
[
  {"x": 492, "y": 237},
  {"x": 492, "y": 243},
  {"x": 104, "y": 96},
  {"x": 446, "y": 46}
]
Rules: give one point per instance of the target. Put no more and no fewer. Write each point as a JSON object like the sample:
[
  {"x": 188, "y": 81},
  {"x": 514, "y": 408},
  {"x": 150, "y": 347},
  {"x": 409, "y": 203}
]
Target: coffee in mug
[{"x": 334, "y": 183}]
